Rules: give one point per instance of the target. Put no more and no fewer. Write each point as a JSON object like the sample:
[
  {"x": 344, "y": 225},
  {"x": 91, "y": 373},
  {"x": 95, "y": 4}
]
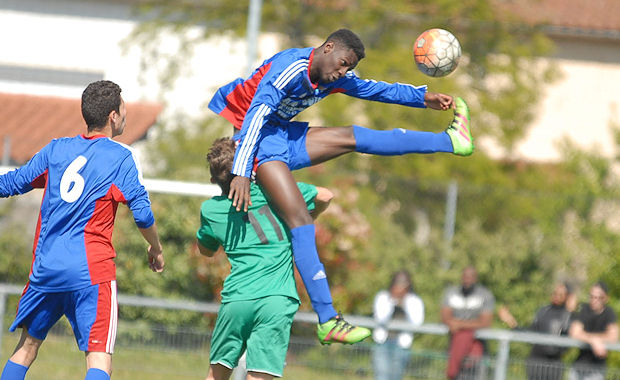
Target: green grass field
[{"x": 59, "y": 358}]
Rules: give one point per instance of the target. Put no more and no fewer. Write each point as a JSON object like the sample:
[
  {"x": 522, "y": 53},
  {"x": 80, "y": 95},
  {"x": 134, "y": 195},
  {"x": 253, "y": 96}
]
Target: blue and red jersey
[
  {"x": 84, "y": 180},
  {"x": 281, "y": 88}
]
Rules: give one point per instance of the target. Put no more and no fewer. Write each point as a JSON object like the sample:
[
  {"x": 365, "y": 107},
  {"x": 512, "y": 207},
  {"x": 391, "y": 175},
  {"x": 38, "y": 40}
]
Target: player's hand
[
  {"x": 437, "y": 101},
  {"x": 156, "y": 259},
  {"x": 598, "y": 347},
  {"x": 240, "y": 193}
]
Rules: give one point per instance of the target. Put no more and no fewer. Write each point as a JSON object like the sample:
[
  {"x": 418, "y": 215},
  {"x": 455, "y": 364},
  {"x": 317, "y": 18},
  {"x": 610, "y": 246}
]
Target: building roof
[
  {"x": 596, "y": 18},
  {"x": 30, "y": 122}
]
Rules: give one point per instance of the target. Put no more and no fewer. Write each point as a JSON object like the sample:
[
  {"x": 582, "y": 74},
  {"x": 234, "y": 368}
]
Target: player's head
[
  {"x": 103, "y": 105},
  {"x": 340, "y": 52},
  {"x": 220, "y": 160}
]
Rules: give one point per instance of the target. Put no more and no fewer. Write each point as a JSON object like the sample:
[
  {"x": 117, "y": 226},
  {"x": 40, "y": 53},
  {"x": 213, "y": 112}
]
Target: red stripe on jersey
[
  {"x": 92, "y": 137},
  {"x": 23, "y": 292},
  {"x": 314, "y": 85},
  {"x": 98, "y": 237},
  {"x": 40, "y": 182},
  {"x": 337, "y": 90},
  {"x": 238, "y": 100},
  {"x": 100, "y": 330}
]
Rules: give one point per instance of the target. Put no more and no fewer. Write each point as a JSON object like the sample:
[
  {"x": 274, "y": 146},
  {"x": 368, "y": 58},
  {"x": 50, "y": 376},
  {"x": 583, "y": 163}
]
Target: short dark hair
[
  {"x": 347, "y": 38},
  {"x": 220, "y": 160},
  {"x": 98, "y": 100},
  {"x": 402, "y": 276},
  {"x": 603, "y": 286}
]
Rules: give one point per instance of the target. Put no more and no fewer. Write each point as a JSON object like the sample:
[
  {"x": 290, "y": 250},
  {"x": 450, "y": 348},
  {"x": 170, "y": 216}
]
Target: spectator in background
[
  {"x": 391, "y": 354},
  {"x": 596, "y": 324},
  {"x": 545, "y": 362},
  {"x": 465, "y": 309}
]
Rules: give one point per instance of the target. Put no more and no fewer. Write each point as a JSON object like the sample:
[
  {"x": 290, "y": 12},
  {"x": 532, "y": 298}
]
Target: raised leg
[
  {"x": 326, "y": 143},
  {"x": 284, "y": 195}
]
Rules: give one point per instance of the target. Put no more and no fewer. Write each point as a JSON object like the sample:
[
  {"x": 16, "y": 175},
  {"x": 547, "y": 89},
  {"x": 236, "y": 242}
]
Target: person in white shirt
[{"x": 399, "y": 303}]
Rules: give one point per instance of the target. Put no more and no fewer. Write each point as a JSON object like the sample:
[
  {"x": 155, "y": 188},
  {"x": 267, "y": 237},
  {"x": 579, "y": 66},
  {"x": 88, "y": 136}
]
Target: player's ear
[
  {"x": 113, "y": 117},
  {"x": 328, "y": 47}
]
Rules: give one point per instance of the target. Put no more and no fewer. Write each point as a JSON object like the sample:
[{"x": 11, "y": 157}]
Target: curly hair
[
  {"x": 98, "y": 100},
  {"x": 347, "y": 38},
  {"x": 220, "y": 160}
]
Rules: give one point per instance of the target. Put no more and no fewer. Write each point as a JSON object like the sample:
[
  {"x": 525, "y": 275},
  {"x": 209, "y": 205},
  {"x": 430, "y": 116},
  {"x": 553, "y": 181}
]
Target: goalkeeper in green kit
[{"x": 259, "y": 298}]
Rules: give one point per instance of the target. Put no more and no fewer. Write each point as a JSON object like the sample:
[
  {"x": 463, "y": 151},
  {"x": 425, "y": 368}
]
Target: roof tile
[
  {"x": 578, "y": 14},
  {"x": 32, "y": 121}
]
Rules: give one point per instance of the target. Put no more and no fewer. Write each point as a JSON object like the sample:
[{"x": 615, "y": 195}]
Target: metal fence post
[
  {"x": 2, "y": 310},
  {"x": 501, "y": 363},
  {"x": 451, "y": 199}
]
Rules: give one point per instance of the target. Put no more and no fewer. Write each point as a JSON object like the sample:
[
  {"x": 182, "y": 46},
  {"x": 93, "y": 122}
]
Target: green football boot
[
  {"x": 337, "y": 330},
  {"x": 459, "y": 130}
]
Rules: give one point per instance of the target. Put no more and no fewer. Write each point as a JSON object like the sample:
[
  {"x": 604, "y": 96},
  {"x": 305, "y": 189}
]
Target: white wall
[
  {"x": 87, "y": 36},
  {"x": 581, "y": 104}
]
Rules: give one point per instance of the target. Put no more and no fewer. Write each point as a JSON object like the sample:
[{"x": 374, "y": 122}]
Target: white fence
[{"x": 503, "y": 337}]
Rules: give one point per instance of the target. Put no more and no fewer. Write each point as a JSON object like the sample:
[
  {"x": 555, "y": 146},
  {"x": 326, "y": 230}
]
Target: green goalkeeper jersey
[{"x": 257, "y": 243}]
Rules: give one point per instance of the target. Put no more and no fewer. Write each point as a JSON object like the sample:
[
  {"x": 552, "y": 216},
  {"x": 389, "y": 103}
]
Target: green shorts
[{"x": 262, "y": 327}]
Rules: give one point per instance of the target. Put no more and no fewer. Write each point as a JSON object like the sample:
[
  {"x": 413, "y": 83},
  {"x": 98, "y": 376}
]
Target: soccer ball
[{"x": 436, "y": 52}]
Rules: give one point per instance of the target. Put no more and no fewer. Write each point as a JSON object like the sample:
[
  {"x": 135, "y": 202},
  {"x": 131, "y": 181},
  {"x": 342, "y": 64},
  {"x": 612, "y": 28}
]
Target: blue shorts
[
  {"x": 284, "y": 142},
  {"x": 92, "y": 313}
]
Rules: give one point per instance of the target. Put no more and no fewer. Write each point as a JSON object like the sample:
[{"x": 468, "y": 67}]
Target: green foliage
[{"x": 16, "y": 257}]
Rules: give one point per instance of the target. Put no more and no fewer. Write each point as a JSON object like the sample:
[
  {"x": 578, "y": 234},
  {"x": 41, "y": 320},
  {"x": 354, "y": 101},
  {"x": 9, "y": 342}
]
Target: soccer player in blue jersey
[
  {"x": 261, "y": 108},
  {"x": 73, "y": 271}
]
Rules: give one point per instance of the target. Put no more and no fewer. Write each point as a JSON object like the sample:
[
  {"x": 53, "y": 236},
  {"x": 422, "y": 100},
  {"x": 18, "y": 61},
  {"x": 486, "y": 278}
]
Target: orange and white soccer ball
[{"x": 437, "y": 52}]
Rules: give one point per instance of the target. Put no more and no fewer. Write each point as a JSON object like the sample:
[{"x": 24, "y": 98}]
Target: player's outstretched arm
[
  {"x": 438, "y": 101},
  {"x": 155, "y": 250},
  {"x": 240, "y": 193}
]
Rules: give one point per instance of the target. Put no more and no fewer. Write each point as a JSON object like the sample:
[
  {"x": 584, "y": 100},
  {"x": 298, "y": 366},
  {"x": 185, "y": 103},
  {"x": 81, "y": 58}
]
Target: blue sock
[
  {"x": 400, "y": 141},
  {"x": 312, "y": 271},
  {"x": 96, "y": 374},
  {"x": 13, "y": 371}
]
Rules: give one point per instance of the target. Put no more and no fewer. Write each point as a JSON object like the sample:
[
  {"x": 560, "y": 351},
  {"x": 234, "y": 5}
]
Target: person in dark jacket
[{"x": 545, "y": 361}]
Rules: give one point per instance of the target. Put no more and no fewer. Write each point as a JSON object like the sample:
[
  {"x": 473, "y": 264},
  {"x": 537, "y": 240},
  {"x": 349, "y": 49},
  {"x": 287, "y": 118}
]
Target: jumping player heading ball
[{"x": 261, "y": 108}]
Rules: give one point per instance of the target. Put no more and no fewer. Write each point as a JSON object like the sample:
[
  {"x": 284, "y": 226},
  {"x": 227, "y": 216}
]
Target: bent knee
[{"x": 297, "y": 218}]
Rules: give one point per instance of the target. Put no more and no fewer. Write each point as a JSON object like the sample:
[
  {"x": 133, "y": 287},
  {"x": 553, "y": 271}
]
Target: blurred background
[{"x": 537, "y": 203}]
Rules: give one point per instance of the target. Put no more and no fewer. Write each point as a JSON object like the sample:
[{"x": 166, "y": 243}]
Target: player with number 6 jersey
[
  {"x": 73, "y": 271},
  {"x": 84, "y": 177}
]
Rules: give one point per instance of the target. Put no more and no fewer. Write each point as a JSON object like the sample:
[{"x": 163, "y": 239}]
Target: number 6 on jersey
[{"x": 71, "y": 176}]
